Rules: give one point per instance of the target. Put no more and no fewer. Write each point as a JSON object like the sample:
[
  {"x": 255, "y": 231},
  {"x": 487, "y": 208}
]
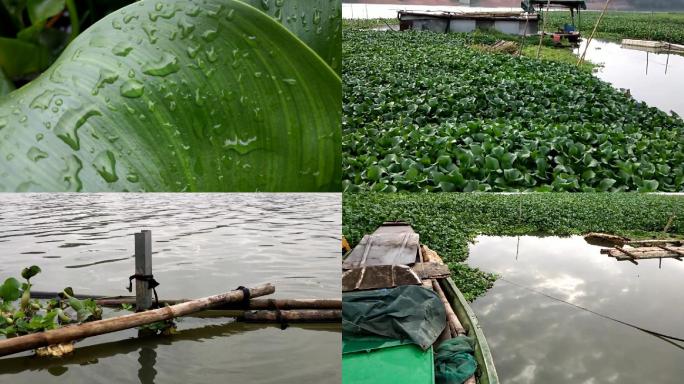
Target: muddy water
[
  {"x": 536, "y": 338},
  {"x": 202, "y": 244},
  {"x": 651, "y": 77}
]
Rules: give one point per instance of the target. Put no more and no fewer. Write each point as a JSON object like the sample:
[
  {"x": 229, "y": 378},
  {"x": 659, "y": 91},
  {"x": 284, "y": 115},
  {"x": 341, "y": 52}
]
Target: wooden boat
[{"x": 393, "y": 256}]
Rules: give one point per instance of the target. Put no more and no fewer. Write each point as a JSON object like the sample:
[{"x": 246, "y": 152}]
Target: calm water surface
[
  {"x": 202, "y": 244},
  {"x": 536, "y": 339},
  {"x": 643, "y": 73}
]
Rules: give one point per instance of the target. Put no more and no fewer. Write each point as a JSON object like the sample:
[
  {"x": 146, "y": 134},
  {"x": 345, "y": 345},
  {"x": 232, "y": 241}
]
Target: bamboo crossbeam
[
  {"x": 293, "y": 316},
  {"x": 80, "y": 331},
  {"x": 253, "y": 304},
  {"x": 117, "y": 301}
]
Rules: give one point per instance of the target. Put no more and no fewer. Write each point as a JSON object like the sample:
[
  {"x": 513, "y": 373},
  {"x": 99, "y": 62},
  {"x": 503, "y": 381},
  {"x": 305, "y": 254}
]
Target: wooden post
[
  {"x": 143, "y": 266},
  {"x": 99, "y": 327}
]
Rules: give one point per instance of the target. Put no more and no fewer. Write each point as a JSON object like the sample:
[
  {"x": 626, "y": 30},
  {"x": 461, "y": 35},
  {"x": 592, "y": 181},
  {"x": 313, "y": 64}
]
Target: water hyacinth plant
[
  {"x": 183, "y": 95},
  {"x": 20, "y": 315},
  {"x": 424, "y": 112}
]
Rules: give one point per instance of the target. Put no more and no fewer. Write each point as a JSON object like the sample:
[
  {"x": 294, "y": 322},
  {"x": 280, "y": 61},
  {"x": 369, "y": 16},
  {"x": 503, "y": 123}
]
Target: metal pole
[{"x": 143, "y": 266}]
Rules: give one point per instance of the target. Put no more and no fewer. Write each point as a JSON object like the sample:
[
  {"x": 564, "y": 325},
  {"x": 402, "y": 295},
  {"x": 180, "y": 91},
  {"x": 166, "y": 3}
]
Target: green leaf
[
  {"x": 29, "y": 272},
  {"x": 318, "y": 23},
  {"x": 491, "y": 163},
  {"x": 219, "y": 99},
  {"x": 18, "y": 58},
  {"x": 9, "y": 290},
  {"x": 605, "y": 184},
  {"x": 6, "y": 85},
  {"x": 648, "y": 186},
  {"x": 374, "y": 172},
  {"x": 40, "y": 10}
]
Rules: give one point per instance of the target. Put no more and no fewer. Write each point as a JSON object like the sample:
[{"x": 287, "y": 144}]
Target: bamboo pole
[
  {"x": 541, "y": 37},
  {"x": 253, "y": 304},
  {"x": 294, "y": 316},
  {"x": 605, "y": 7},
  {"x": 454, "y": 324},
  {"x": 117, "y": 301},
  {"x": 74, "y": 332}
]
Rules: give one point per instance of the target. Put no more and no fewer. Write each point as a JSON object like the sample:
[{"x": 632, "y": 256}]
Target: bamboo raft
[
  {"x": 624, "y": 249},
  {"x": 241, "y": 303},
  {"x": 653, "y": 46},
  {"x": 392, "y": 256}
]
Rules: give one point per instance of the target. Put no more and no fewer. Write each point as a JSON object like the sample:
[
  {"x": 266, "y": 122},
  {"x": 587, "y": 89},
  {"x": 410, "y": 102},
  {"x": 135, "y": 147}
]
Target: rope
[
  {"x": 653, "y": 333},
  {"x": 246, "y": 295},
  {"x": 151, "y": 284}
]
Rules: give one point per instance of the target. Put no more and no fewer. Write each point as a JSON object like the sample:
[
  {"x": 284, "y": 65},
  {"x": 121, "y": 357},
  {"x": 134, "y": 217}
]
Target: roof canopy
[{"x": 579, "y": 4}]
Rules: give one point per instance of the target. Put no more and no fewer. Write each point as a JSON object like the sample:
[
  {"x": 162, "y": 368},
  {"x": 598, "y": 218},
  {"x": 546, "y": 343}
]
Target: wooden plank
[
  {"x": 378, "y": 276},
  {"x": 384, "y": 249},
  {"x": 431, "y": 270}
]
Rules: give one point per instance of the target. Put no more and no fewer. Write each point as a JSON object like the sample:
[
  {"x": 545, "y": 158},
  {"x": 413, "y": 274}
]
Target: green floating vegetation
[
  {"x": 660, "y": 26},
  {"x": 20, "y": 315},
  {"x": 424, "y": 112},
  {"x": 447, "y": 222},
  {"x": 182, "y": 95}
]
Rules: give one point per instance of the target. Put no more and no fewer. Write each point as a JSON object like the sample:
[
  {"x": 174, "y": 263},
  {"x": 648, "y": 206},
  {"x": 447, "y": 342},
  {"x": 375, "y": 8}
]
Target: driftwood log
[{"x": 74, "y": 332}]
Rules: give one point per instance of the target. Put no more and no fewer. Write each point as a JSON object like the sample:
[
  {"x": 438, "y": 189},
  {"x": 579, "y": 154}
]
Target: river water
[
  {"x": 203, "y": 244},
  {"x": 536, "y": 338},
  {"x": 655, "y": 78}
]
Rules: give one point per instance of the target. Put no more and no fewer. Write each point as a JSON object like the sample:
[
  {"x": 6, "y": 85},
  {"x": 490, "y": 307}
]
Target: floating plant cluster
[{"x": 423, "y": 112}]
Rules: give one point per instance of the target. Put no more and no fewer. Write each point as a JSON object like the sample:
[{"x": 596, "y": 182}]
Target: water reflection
[
  {"x": 655, "y": 78},
  {"x": 536, "y": 338}
]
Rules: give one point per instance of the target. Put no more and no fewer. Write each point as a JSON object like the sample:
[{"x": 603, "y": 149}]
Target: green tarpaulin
[{"x": 404, "y": 313}]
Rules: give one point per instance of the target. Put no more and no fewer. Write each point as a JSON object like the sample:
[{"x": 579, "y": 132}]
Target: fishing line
[{"x": 659, "y": 335}]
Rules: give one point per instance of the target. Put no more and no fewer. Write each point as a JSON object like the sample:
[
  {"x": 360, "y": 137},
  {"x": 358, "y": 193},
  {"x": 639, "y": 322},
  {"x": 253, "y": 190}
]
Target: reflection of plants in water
[{"x": 19, "y": 315}]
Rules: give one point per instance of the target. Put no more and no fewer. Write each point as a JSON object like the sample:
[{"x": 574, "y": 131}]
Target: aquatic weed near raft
[
  {"x": 447, "y": 222},
  {"x": 182, "y": 95},
  {"x": 424, "y": 112}
]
